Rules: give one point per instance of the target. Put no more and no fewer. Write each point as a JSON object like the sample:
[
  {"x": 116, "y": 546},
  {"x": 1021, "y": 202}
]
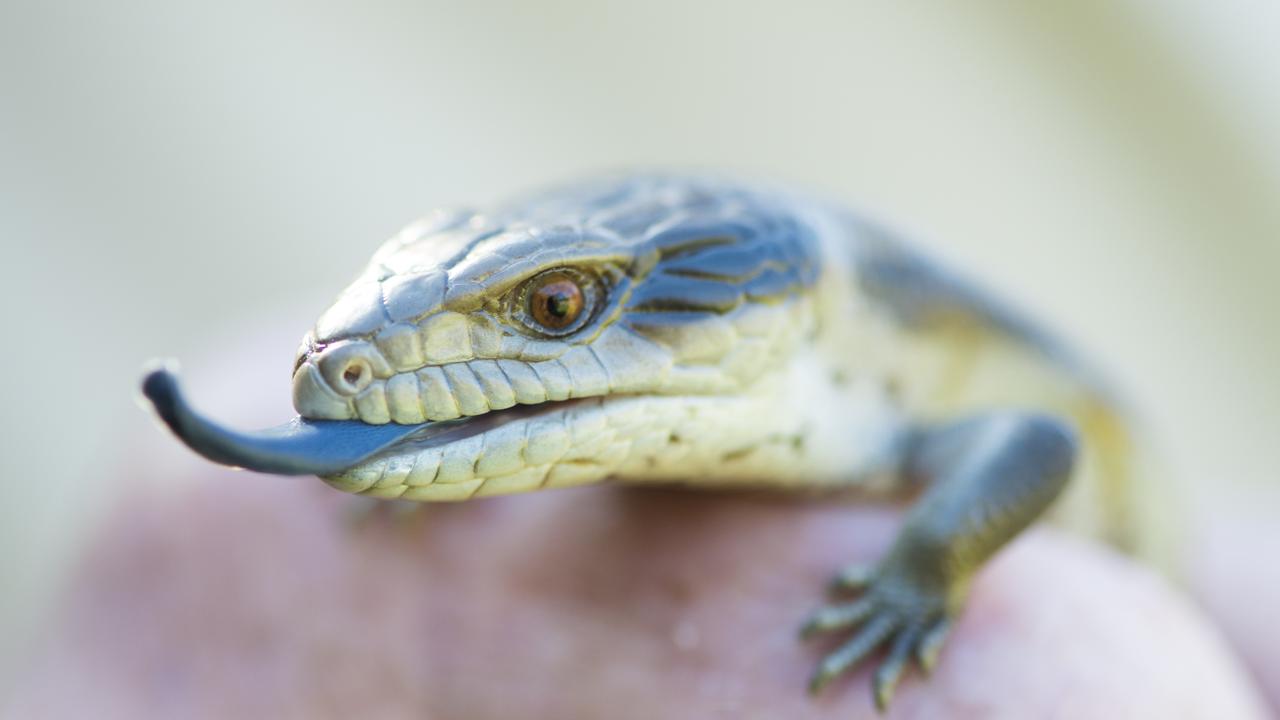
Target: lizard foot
[{"x": 895, "y": 609}]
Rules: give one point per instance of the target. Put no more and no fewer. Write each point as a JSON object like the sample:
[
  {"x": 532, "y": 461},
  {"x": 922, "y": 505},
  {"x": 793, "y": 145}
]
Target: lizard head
[{"x": 560, "y": 339}]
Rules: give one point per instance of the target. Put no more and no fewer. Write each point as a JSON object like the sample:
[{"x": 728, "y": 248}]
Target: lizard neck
[{"x": 829, "y": 415}]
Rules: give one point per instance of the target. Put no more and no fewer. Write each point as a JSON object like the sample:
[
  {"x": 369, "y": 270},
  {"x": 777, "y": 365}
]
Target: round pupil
[{"x": 556, "y": 303}]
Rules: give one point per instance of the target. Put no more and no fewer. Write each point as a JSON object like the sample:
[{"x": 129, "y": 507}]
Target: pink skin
[
  {"x": 240, "y": 596},
  {"x": 1236, "y": 577},
  {"x": 220, "y": 594}
]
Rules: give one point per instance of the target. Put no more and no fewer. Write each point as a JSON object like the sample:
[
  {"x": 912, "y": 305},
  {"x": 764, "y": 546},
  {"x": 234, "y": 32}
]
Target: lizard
[{"x": 679, "y": 328}]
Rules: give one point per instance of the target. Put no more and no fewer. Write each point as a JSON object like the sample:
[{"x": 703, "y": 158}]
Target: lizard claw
[
  {"x": 853, "y": 577},
  {"x": 930, "y": 645},
  {"x": 892, "y": 612}
]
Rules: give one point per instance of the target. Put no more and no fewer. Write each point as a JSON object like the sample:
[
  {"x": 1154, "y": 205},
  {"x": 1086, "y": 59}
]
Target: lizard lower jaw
[{"x": 498, "y": 452}]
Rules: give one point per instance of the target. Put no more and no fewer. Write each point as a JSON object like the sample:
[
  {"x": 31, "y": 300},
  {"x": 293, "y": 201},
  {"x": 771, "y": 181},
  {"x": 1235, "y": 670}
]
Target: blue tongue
[{"x": 298, "y": 447}]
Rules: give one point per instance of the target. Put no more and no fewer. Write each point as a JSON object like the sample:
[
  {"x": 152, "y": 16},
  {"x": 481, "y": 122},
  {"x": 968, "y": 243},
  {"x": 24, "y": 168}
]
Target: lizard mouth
[{"x": 313, "y": 447}]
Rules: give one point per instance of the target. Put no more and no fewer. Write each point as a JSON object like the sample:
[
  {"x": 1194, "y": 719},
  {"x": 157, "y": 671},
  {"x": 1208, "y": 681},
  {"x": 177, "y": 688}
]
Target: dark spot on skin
[
  {"x": 674, "y": 439},
  {"x": 736, "y": 454},
  {"x": 797, "y": 443},
  {"x": 839, "y": 378}
]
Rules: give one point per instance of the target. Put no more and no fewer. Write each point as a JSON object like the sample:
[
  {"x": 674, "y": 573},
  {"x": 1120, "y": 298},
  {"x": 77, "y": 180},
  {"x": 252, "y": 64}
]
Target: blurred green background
[{"x": 173, "y": 173}]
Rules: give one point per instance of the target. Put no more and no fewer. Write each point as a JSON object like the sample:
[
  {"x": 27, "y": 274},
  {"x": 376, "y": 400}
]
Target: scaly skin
[{"x": 730, "y": 335}]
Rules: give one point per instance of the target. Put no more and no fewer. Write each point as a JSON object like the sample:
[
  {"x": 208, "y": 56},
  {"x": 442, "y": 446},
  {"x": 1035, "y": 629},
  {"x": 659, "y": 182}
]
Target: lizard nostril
[
  {"x": 351, "y": 367},
  {"x": 356, "y": 376}
]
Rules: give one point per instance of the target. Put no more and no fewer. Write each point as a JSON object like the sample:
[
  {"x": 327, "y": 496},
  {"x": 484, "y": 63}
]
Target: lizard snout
[{"x": 330, "y": 378}]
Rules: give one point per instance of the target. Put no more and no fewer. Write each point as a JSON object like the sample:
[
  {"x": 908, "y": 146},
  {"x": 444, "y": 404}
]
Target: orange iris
[{"x": 556, "y": 302}]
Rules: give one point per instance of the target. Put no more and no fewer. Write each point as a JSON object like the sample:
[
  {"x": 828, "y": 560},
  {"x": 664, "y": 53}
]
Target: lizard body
[{"x": 662, "y": 328}]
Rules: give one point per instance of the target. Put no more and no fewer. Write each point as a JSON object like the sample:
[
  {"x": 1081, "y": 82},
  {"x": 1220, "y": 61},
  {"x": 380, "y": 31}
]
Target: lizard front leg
[{"x": 988, "y": 477}]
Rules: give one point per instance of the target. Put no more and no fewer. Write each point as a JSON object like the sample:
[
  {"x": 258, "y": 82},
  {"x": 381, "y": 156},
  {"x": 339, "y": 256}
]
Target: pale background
[{"x": 171, "y": 173}]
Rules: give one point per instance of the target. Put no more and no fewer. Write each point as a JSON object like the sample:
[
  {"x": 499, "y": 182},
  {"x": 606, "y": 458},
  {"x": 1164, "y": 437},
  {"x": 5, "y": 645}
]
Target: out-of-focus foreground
[{"x": 170, "y": 173}]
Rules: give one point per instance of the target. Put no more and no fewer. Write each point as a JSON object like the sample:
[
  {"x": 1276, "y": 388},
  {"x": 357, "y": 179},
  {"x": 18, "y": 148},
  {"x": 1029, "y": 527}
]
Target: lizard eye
[{"x": 558, "y": 302}]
